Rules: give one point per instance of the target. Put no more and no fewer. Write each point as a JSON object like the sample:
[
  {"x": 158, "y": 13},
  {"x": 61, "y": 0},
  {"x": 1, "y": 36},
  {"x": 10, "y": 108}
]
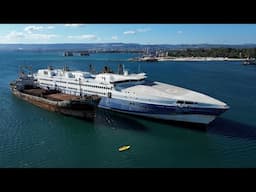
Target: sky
[{"x": 129, "y": 33}]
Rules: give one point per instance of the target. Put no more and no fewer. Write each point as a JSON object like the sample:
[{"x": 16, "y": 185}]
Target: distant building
[{"x": 68, "y": 53}]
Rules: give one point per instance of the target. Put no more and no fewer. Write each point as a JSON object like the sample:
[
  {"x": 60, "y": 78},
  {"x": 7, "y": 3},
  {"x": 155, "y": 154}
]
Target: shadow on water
[
  {"x": 118, "y": 121},
  {"x": 184, "y": 125},
  {"x": 128, "y": 121},
  {"x": 230, "y": 128},
  {"x": 99, "y": 117},
  {"x": 219, "y": 126}
]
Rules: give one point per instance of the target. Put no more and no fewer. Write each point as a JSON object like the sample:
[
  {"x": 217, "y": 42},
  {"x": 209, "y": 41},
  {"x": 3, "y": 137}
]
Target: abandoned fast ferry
[{"x": 134, "y": 94}]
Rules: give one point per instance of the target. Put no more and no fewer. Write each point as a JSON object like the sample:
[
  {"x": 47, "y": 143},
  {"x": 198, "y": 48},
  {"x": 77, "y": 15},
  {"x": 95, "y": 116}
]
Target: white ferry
[{"x": 134, "y": 94}]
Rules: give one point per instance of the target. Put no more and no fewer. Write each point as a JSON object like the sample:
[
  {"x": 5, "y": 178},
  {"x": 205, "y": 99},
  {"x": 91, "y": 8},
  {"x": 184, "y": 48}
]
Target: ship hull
[
  {"x": 162, "y": 112},
  {"x": 69, "y": 108},
  {"x": 187, "y": 118}
]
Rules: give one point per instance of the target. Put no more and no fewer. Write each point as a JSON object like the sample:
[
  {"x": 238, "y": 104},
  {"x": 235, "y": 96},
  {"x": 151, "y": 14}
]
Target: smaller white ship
[{"x": 249, "y": 61}]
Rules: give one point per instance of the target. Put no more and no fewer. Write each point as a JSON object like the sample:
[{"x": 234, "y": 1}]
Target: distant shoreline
[
  {"x": 199, "y": 59},
  {"x": 189, "y": 59}
]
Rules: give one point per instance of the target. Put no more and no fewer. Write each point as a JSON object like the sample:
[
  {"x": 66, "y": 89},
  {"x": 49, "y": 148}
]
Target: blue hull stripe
[{"x": 124, "y": 105}]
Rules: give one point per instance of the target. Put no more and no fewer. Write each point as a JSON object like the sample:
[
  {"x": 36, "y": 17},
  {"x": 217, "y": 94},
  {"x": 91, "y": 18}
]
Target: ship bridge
[{"x": 117, "y": 78}]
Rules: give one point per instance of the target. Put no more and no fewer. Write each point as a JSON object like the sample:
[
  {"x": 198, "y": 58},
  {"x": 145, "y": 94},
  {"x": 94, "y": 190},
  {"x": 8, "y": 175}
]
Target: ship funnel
[{"x": 120, "y": 69}]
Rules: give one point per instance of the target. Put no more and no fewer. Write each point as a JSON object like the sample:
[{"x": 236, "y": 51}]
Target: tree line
[{"x": 215, "y": 52}]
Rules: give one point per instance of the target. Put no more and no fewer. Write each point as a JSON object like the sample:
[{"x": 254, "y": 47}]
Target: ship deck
[
  {"x": 52, "y": 95},
  {"x": 62, "y": 97}
]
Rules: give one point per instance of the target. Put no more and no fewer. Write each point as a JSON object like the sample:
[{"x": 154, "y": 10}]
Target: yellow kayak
[{"x": 123, "y": 148}]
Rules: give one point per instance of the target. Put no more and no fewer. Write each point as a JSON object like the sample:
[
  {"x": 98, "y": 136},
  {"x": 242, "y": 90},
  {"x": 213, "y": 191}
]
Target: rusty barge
[{"x": 53, "y": 100}]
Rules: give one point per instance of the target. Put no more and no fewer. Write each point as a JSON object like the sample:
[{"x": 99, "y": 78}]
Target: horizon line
[{"x": 130, "y": 43}]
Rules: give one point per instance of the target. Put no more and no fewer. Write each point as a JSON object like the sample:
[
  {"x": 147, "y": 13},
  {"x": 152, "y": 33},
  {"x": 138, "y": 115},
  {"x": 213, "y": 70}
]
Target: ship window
[
  {"x": 189, "y": 102},
  {"x": 186, "y": 102}
]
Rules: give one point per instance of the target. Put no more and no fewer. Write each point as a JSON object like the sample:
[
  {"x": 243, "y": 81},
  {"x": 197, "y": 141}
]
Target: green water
[{"x": 33, "y": 137}]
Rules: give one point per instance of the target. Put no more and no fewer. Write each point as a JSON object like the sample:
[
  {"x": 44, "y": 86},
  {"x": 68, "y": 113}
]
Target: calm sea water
[{"x": 33, "y": 137}]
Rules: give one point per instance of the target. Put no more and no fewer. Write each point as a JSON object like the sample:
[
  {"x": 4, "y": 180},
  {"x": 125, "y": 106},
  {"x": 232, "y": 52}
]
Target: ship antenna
[
  {"x": 123, "y": 68},
  {"x": 120, "y": 69}
]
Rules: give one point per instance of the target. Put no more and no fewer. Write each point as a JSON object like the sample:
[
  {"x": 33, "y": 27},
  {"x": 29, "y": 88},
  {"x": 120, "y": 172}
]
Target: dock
[
  {"x": 188, "y": 59},
  {"x": 76, "y": 53}
]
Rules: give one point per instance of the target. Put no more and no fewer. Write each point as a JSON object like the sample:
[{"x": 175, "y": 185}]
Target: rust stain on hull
[{"x": 81, "y": 107}]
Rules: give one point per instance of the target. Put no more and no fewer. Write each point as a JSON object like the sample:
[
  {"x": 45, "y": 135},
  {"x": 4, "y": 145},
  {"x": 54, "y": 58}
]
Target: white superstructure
[{"x": 133, "y": 94}]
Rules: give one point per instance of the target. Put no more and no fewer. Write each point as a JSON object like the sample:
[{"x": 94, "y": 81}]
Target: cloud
[
  {"x": 179, "y": 32},
  {"x": 132, "y": 32},
  {"x": 73, "y": 25},
  {"x": 114, "y": 37},
  {"x": 129, "y": 32},
  {"x": 84, "y": 37},
  {"x": 17, "y": 37},
  {"x": 32, "y": 28},
  {"x": 13, "y": 36},
  {"x": 30, "y": 34}
]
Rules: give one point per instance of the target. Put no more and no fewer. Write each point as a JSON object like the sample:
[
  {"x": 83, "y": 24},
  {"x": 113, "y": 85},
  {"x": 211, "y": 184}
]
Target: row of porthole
[{"x": 185, "y": 102}]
